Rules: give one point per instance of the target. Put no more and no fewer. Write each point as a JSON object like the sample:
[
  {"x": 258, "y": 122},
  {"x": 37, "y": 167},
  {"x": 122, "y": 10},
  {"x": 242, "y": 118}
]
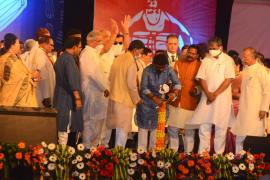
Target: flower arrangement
[
  {"x": 247, "y": 165},
  {"x": 121, "y": 162},
  {"x": 63, "y": 162},
  {"x": 194, "y": 166},
  {"x": 101, "y": 163},
  {"x": 79, "y": 160}
]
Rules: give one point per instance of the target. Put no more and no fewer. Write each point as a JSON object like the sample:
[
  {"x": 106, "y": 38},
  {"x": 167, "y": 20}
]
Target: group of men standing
[{"x": 97, "y": 89}]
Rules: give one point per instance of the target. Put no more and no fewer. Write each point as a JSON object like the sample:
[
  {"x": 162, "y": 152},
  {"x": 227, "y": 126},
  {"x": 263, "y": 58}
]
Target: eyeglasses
[{"x": 120, "y": 43}]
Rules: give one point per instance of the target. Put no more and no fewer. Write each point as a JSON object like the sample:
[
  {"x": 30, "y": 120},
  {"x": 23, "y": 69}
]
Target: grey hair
[
  {"x": 29, "y": 44},
  {"x": 253, "y": 51},
  {"x": 92, "y": 36},
  {"x": 217, "y": 40}
]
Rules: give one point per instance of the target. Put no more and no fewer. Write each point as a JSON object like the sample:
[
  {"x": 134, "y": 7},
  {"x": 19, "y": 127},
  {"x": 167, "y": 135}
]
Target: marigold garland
[{"x": 160, "y": 135}]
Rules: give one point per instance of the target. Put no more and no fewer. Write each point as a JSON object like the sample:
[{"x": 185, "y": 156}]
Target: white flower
[
  {"x": 51, "y": 166},
  {"x": 60, "y": 166},
  {"x": 79, "y": 158},
  {"x": 235, "y": 169},
  {"x": 130, "y": 171},
  {"x": 230, "y": 156},
  {"x": 160, "y": 175},
  {"x": 251, "y": 166},
  {"x": 133, "y": 157},
  {"x": 242, "y": 152},
  {"x": 80, "y": 165},
  {"x": 80, "y": 147},
  {"x": 134, "y": 164},
  {"x": 87, "y": 156},
  {"x": 140, "y": 161},
  {"x": 160, "y": 164},
  {"x": 51, "y": 146},
  {"x": 140, "y": 150},
  {"x": 74, "y": 161},
  {"x": 82, "y": 176},
  {"x": 154, "y": 154},
  {"x": 75, "y": 173},
  {"x": 71, "y": 150},
  {"x": 143, "y": 176},
  {"x": 43, "y": 144},
  {"x": 93, "y": 149},
  {"x": 215, "y": 156},
  {"x": 167, "y": 165},
  {"x": 242, "y": 166},
  {"x": 47, "y": 174},
  {"x": 53, "y": 158},
  {"x": 250, "y": 157}
]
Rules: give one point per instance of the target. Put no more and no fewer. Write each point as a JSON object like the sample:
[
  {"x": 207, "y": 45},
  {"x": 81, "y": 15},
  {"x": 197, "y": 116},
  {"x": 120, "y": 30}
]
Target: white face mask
[
  {"x": 215, "y": 53},
  {"x": 99, "y": 48},
  {"x": 117, "y": 49}
]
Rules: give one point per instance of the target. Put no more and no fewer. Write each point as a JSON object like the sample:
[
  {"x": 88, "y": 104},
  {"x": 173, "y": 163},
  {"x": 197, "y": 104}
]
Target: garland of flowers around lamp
[{"x": 160, "y": 136}]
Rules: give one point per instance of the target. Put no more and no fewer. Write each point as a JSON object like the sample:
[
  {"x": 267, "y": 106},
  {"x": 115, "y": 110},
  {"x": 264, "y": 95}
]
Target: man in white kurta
[
  {"x": 94, "y": 88},
  {"x": 215, "y": 108},
  {"x": 42, "y": 63},
  {"x": 254, "y": 100}
]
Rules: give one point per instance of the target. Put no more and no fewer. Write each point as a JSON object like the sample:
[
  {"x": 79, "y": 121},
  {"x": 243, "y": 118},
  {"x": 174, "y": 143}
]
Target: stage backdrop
[
  {"x": 24, "y": 17},
  {"x": 250, "y": 26},
  {"x": 152, "y": 20}
]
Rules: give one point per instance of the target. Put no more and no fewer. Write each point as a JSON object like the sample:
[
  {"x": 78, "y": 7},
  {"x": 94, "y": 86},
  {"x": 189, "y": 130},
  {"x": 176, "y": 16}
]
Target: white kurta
[
  {"x": 179, "y": 116},
  {"x": 94, "y": 83},
  {"x": 255, "y": 96},
  {"x": 106, "y": 63},
  {"x": 46, "y": 85},
  {"x": 219, "y": 112}
]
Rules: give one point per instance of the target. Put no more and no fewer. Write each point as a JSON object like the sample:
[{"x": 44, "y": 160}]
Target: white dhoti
[{"x": 92, "y": 132}]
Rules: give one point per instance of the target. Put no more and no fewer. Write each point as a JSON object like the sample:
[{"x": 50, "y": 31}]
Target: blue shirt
[{"x": 147, "y": 113}]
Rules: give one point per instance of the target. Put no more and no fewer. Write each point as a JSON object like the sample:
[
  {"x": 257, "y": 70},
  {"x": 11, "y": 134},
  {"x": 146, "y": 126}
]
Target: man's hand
[
  {"x": 211, "y": 97},
  {"x": 262, "y": 115},
  {"x": 157, "y": 100},
  {"x": 193, "y": 92},
  {"x": 140, "y": 102},
  {"x": 78, "y": 104},
  {"x": 171, "y": 97},
  {"x": 114, "y": 27},
  {"x": 106, "y": 93},
  {"x": 47, "y": 102},
  {"x": 36, "y": 76},
  {"x": 125, "y": 24}
]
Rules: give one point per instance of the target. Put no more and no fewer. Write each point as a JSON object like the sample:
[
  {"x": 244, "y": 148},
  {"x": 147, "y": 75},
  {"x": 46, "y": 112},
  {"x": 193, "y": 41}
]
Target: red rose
[
  {"x": 97, "y": 154},
  {"x": 115, "y": 160},
  {"x": 110, "y": 173},
  {"x": 109, "y": 167},
  {"x": 268, "y": 166},
  {"x": 101, "y": 148},
  {"x": 103, "y": 161},
  {"x": 108, "y": 152},
  {"x": 180, "y": 176},
  {"x": 103, "y": 173},
  {"x": 262, "y": 155}
]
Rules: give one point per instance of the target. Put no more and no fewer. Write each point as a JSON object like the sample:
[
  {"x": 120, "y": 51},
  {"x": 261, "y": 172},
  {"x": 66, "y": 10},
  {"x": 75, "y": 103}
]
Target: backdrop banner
[{"x": 152, "y": 20}]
